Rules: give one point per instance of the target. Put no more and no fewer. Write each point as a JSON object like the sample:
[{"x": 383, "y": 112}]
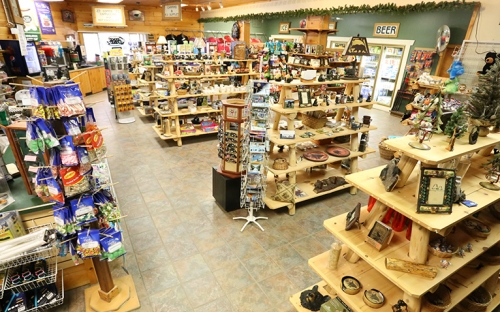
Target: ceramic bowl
[
  {"x": 350, "y": 285},
  {"x": 373, "y": 298}
]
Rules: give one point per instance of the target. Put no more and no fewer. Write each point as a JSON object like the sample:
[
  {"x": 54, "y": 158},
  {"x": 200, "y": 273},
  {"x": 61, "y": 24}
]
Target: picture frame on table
[
  {"x": 284, "y": 28},
  {"x": 304, "y": 97},
  {"x": 437, "y": 190},
  {"x": 297, "y": 60},
  {"x": 380, "y": 235}
]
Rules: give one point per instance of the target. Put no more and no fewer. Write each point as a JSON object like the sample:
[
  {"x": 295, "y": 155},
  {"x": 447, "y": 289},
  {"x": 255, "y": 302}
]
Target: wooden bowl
[
  {"x": 472, "y": 226},
  {"x": 373, "y": 298},
  {"x": 350, "y": 285}
]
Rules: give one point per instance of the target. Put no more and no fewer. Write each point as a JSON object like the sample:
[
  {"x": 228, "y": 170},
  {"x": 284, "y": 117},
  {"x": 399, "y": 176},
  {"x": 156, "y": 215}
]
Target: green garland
[{"x": 389, "y": 8}]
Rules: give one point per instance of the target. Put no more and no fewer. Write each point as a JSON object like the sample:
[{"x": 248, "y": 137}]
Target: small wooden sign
[
  {"x": 108, "y": 15},
  {"x": 172, "y": 11},
  {"x": 389, "y": 30}
]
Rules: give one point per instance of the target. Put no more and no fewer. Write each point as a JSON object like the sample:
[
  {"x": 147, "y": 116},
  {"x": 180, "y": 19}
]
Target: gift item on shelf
[
  {"x": 350, "y": 285},
  {"x": 380, "y": 235},
  {"x": 373, "y": 298},
  {"x": 390, "y": 175},
  {"x": 441, "y": 248},
  {"x": 328, "y": 184},
  {"x": 478, "y": 300},
  {"x": 352, "y": 217},
  {"x": 436, "y": 191},
  {"x": 334, "y": 256},
  {"x": 475, "y": 228},
  {"x": 410, "y": 267},
  {"x": 312, "y": 299},
  {"x": 255, "y": 145}
]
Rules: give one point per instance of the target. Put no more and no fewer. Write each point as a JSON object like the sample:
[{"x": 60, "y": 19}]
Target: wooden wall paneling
[
  {"x": 102, "y": 75},
  {"x": 84, "y": 81}
]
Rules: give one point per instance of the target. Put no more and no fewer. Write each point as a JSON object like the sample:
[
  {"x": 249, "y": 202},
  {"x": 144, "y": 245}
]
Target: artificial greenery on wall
[{"x": 389, "y": 8}]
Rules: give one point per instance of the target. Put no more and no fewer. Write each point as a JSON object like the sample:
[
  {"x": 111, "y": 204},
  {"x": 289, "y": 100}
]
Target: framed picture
[
  {"x": 352, "y": 217},
  {"x": 291, "y": 59},
  {"x": 332, "y": 25},
  {"x": 304, "y": 97},
  {"x": 289, "y": 103},
  {"x": 297, "y": 60},
  {"x": 68, "y": 16},
  {"x": 379, "y": 236},
  {"x": 172, "y": 11},
  {"x": 437, "y": 190},
  {"x": 284, "y": 28},
  {"x": 315, "y": 62},
  {"x": 13, "y": 13}
]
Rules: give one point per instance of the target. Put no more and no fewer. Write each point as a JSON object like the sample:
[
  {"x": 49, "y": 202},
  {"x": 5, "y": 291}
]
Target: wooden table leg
[
  {"x": 276, "y": 122},
  {"x": 291, "y": 209},
  {"x": 376, "y": 214},
  {"x": 418, "y": 243},
  {"x": 414, "y": 304},
  {"x": 406, "y": 165},
  {"x": 351, "y": 256},
  {"x": 486, "y": 151}
]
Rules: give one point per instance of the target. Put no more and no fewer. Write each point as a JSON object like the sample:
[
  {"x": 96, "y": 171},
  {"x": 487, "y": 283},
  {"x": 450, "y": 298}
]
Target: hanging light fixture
[
  {"x": 220, "y": 5},
  {"x": 196, "y": 8},
  {"x": 209, "y": 7},
  {"x": 203, "y": 8}
]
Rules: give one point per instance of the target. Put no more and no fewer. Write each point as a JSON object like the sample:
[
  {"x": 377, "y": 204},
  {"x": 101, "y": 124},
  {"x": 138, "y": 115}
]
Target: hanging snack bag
[
  {"x": 34, "y": 140},
  {"x": 83, "y": 157},
  {"x": 41, "y": 188},
  {"x": 83, "y": 209},
  {"x": 52, "y": 104},
  {"x": 61, "y": 219},
  {"x": 55, "y": 162},
  {"x": 74, "y": 183},
  {"x": 55, "y": 192},
  {"x": 88, "y": 244},
  {"x": 71, "y": 125},
  {"x": 69, "y": 100},
  {"x": 69, "y": 157},
  {"x": 94, "y": 136},
  {"x": 112, "y": 245},
  {"x": 45, "y": 129},
  {"x": 100, "y": 175},
  {"x": 37, "y": 102}
]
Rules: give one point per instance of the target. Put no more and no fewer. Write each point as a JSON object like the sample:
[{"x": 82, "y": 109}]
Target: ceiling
[{"x": 191, "y": 3}]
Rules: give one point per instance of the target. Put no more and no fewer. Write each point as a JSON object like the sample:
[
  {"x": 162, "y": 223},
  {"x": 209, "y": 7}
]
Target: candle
[{"x": 333, "y": 259}]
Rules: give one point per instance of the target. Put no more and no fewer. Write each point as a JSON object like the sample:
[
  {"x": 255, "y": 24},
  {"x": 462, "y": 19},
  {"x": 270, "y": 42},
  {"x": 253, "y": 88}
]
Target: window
[
  {"x": 97, "y": 43},
  {"x": 92, "y": 47}
]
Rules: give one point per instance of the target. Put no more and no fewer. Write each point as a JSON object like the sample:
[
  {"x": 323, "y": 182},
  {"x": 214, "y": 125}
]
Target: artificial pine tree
[
  {"x": 457, "y": 125},
  {"x": 431, "y": 115},
  {"x": 485, "y": 102}
]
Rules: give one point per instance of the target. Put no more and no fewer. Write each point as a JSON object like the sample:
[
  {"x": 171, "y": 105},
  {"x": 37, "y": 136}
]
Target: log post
[
  {"x": 486, "y": 151},
  {"x": 418, "y": 243},
  {"x": 376, "y": 214},
  {"x": 351, "y": 256},
  {"x": 410, "y": 267},
  {"x": 414, "y": 304},
  {"x": 406, "y": 165}
]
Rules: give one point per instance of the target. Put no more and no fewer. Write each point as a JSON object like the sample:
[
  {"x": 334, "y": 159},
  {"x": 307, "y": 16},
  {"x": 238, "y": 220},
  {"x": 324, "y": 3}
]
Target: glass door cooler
[
  {"x": 368, "y": 69},
  {"x": 385, "y": 83}
]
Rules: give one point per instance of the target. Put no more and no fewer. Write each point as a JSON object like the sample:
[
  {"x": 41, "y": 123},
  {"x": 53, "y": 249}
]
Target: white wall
[{"x": 488, "y": 26}]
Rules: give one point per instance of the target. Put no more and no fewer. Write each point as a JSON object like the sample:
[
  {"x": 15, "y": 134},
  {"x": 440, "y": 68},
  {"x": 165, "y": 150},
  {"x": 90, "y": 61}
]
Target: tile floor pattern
[{"x": 187, "y": 254}]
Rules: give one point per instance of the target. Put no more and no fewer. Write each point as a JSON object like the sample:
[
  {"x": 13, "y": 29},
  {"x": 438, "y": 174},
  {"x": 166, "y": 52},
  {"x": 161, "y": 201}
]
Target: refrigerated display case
[
  {"x": 388, "y": 70},
  {"x": 368, "y": 70}
]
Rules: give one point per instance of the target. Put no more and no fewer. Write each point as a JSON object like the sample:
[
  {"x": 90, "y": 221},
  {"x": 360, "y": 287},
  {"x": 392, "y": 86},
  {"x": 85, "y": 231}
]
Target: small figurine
[
  {"x": 360, "y": 98},
  {"x": 461, "y": 252},
  {"x": 444, "y": 263},
  {"x": 315, "y": 102},
  {"x": 468, "y": 248},
  {"x": 401, "y": 306},
  {"x": 369, "y": 98}
]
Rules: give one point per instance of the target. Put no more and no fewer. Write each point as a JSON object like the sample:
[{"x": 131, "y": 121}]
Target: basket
[
  {"x": 477, "y": 300},
  {"x": 385, "y": 152},
  {"x": 468, "y": 226},
  {"x": 280, "y": 164},
  {"x": 442, "y": 294},
  {"x": 313, "y": 122},
  {"x": 491, "y": 256},
  {"x": 495, "y": 210},
  {"x": 306, "y": 80},
  {"x": 441, "y": 254}
]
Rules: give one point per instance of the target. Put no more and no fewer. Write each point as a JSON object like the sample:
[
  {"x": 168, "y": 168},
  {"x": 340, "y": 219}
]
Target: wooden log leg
[
  {"x": 406, "y": 165},
  {"x": 376, "y": 214},
  {"x": 491, "y": 283},
  {"x": 276, "y": 122},
  {"x": 168, "y": 131},
  {"x": 340, "y": 112},
  {"x": 462, "y": 167},
  {"x": 291, "y": 209},
  {"x": 486, "y": 151},
  {"x": 414, "y": 304},
  {"x": 418, "y": 243},
  {"x": 282, "y": 96},
  {"x": 351, "y": 256},
  {"x": 293, "y": 155}
]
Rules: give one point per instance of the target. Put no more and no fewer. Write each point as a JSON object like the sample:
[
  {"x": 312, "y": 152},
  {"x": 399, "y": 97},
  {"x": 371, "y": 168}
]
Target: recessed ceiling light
[{"x": 109, "y": 1}]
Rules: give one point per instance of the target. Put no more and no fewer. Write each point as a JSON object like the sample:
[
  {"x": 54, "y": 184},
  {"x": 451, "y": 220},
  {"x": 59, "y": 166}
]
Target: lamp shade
[
  {"x": 357, "y": 46},
  {"x": 161, "y": 40}
]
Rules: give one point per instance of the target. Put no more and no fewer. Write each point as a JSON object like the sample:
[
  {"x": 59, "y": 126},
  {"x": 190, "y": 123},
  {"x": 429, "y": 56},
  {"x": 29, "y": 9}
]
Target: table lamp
[
  {"x": 161, "y": 41},
  {"x": 358, "y": 46}
]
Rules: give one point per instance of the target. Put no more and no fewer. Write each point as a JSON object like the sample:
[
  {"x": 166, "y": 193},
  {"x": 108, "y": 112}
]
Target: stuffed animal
[
  {"x": 489, "y": 59},
  {"x": 450, "y": 86},
  {"x": 456, "y": 69},
  {"x": 462, "y": 88}
]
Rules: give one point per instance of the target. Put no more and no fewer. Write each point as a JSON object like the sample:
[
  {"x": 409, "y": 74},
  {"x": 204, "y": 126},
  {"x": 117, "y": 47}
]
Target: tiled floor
[{"x": 187, "y": 254}]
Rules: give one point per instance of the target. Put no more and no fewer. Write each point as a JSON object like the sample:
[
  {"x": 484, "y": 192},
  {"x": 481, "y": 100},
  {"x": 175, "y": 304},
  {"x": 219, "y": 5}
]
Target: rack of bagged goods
[
  {"x": 194, "y": 88},
  {"x": 74, "y": 177},
  {"x": 428, "y": 239},
  {"x": 119, "y": 88}
]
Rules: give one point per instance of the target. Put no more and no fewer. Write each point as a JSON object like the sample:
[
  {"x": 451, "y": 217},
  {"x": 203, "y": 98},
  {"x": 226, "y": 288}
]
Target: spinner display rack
[{"x": 255, "y": 149}]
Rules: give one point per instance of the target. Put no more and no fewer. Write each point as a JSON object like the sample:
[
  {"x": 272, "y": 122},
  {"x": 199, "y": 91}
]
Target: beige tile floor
[{"x": 187, "y": 254}]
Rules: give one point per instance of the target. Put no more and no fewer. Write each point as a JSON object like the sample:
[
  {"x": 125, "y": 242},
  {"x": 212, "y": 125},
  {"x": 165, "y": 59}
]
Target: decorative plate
[
  {"x": 317, "y": 156},
  {"x": 350, "y": 285},
  {"x": 338, "y": 151}
]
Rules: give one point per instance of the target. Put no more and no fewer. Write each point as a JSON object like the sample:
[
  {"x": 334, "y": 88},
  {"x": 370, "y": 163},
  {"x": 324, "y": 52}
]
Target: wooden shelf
[
  {"x": 295, "y": 299},
  {"x": 284, "y": 111},
  {"x": 438, "y": 154},
  {"x": 305, "y": 182},
  {"x": 315, "y": 30},
  {"x": 297, "y": 82},
  {"x": 143, "y": 112},
  {"x": 311, "y": 55},
  {"x": 274, "y": 135},
  {"x": 199, "y": 111},
  {"x": 174, "y": 136},
  {"x": 307, "y": 66},
  {"x": 207, "y": 60},
  {"x": 202, "y": 76},
  {"x": 304, "y": 163},
  {"x": 366, "y": 275},
  {"x": 413, "y": 285},
  {"x": 404, "y": 199},
  {"x": 208, "y": 94},
  {"x": 495, "y": 301}
]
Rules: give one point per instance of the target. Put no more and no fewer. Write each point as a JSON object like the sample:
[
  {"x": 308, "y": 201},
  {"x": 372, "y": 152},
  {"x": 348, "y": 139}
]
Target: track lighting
[
  {"x": 220, "y": 5},
  {"x": 209, "y": 7},
  {"x": 196, "y": 8},
  {"x": 203, "y": 8}
]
